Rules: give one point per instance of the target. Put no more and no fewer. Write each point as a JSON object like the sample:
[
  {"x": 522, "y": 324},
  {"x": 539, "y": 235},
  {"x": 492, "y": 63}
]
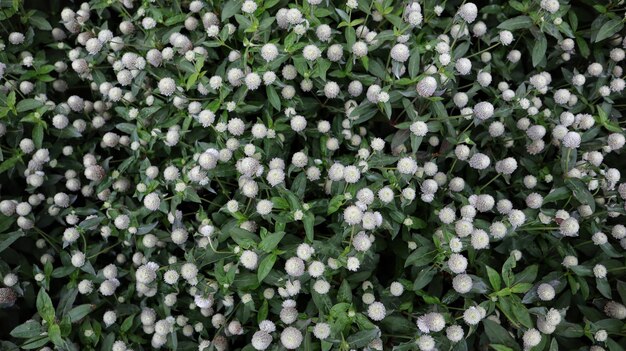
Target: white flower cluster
[{"x": 359, "y": 175}]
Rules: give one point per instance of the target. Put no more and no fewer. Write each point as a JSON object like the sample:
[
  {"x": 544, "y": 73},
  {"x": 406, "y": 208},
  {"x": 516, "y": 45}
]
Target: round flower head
[
  {"x": 291, "y": 338},
  {"x": 483, "y": 110},
  {"x": 468, "y": 12},
  {"x": 400, "y": 52},
  {"x": 426, "y": 87},
  {"x": 167, "y": 86}
]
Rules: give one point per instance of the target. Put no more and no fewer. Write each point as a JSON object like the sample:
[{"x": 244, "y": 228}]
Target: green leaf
[
  {"x": 54, "y": 333},
  {"x": 518, "y": 22},
  {"x": 273, "y": 97},
  {"x": 309, "y": 221},
  {"x": 528, "y": 275},
  {"x": 362, "y": 338},
  {"x": 568, "y": 159},
  {"x": 175, "y": 19},
  {"x": 9, "y": 163},
  {"x": 507, "y": 271},
  {"x": 192, "y": 80},
  {"x": 230, "y": 9},
  {"x": 344, "y": 294},
  {"x": 335, "y": 203},
  {"x": 414, "y": 63},
  {"x": 27, "y": 330},
  {"x": 557, "y": 194},
  {"x": 539, "y": 49},
  {"x": 127, "y": 324},
  {"x": 35, "y": 343},
  {"x": 420, "y": 257},
  {"x": 583, "y": 46},
  {"x": 107, "y": 343},
  {"x": 44, "y": 306},
  {"x": 271, "y": 241},
  {"x": 128, "y": 128},
  {"x": 424, "y": 278},
  {"x": 11, "y": 99},
  {"x": 498, "y": 335},
  {"x": 499, "y": 347},
  {"x": 243, "y": 237},
  {"x": 521, "y": 288},
  {"x": 554, "y": 345},
  {"x": 263, "y": 311},
  {"x": 608, "y": 29},
  {"x": 603, "y": 287},
  {"x": 38, "y": 135},
  {"x": 494, "y": 278},
  {"x": 79, "y": 312},
  {"x": 27, "y": 105},
  {"x": 265, "y": 267},
  {"x": 7, "y": 239},
  {"x": 40, "y": 23},
  {"x": 520, "y": 312},
  {"x": 580, "y": 192}
]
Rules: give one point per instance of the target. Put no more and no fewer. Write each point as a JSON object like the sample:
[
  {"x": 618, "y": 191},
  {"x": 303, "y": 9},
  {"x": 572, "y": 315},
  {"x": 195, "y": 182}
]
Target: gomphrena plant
[{"x": 312, "y": 175}]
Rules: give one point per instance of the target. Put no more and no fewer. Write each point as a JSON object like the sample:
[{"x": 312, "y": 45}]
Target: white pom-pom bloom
[
  {"x": 352, "y": 215},
  {"x": 483, "y": 110},
  {"x": 167, "y": 86},
  {"x": 571, "y": 140},
  {"x": 269, "y": 52},
  {"x": 291, "y": 338},
  {"x": 419, "y": 128},
  {"x": 407, "y": 165},
  {"x": 400, "y": 52},
  {"x": 152, "y": 201},
  {"x": 468, "y": 12},
  {"x": 376, "y": 311},
  {"x": 551, "y": 6},
  {"x": 506, "y": 37},
  {"x": 457, "y": 263},
  {"x": 359, "y": 49},
  {"x": 531, "y": 338},
  {"x": 261, "y": 340},
  {"x": 473, "y": 315},
  {"x": 569, "y": 227},
  {"x": 311, "y": 52},
  {"x": 462, "y": 283},
  {"x": 426, "y": 87},
  {"x": 249, "y": 6},
  {"x": 294, "y": 266},
  {"x": 545, "y": 292},
  {"x": 249, "y": 259}
]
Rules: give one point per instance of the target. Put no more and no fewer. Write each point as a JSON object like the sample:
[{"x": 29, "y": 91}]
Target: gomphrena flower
[{"x": 247, "y": 175}]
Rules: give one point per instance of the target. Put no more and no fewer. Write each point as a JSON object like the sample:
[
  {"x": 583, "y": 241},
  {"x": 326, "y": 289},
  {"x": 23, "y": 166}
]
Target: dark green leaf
[
  {"x": 271, "y": 241},
  {"x": 265, "y": 267},
  {"x": 580, "y": 192},
  {"x": 44, "y": 306},
  {"x": 362, "y": 338},
  {"x": 273, "y": 97},
  {"x": 7, "y": 239},
  {"x": 494, "y": 278},
  {"x": 27, "y": 105},
  {"x": 498, "y": 335},
  {"x": 539, "y": 50},
  {"x": 557, "y": 194},
  {"x": 344, "y": 294},
  {"x": 27, "y": 330},
  {"x": 608, "y": 29},
  {"x": 230, "y": 9},
  {"x": 80, "y": 311},
  {"x": 518, "y": 22}
]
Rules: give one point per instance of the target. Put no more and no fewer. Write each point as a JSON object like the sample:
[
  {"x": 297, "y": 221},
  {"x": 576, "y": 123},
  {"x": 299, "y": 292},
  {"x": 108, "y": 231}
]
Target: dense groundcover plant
[{"x": 312, "y": 175}]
